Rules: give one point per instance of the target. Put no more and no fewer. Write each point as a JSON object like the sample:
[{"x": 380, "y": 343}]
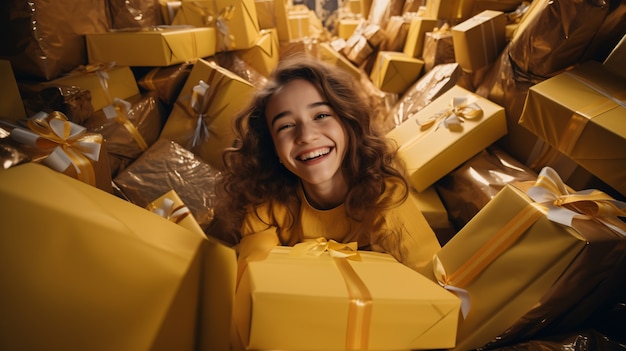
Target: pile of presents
[{"x": 509, "y": 115}]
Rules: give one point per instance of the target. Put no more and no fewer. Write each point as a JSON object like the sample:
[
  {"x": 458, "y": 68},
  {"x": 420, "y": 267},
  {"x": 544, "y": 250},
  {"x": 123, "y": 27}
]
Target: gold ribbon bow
[
  {"x": 460, "y": 109},
  {"x": 170, "y": 212},
  {"x": 119, "y": 111},
  {"x": 565, "y": 205},
  {"x": 319, "y": 246},
  {"x": 99, "y": 69},
  {"x": 360, "y": 306},
  {"x": 220, "y": 21},
  {"x": 67, "y": 142}
]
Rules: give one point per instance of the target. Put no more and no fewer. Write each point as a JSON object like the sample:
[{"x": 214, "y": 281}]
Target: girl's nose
[{"x": 306, "y": 133}]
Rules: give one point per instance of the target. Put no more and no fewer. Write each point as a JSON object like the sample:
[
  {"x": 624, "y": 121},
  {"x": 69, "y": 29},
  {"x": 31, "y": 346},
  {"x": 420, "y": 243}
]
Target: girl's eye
[
  {"x": 322, "y": 115},
  {"x": 284, "y": 126}
]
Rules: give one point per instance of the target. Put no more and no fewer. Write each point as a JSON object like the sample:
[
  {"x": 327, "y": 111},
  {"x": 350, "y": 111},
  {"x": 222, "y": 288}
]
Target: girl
[{"x": 308, "y": 164}]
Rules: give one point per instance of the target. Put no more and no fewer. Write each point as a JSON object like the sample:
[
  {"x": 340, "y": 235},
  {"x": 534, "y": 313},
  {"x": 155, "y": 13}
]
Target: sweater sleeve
[{"x": 408, "y": 236}]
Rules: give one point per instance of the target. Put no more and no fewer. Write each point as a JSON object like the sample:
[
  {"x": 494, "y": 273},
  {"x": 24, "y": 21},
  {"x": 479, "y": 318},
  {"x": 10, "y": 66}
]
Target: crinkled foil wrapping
[
  {"x": 146, "y": 115},
  {"x": 554, "y": 35},
  {"x": 168, "y": 166},
  {"x": 468, "y": 188},
  {"x": 167, "y": 82},
  {"x": 73, "y": 101},
  {"x": 434, "y": 83},
  {"x": 45, "y": 38},
  {"x": 135, "y": 13},
  {"x": 438, "y": 49}
]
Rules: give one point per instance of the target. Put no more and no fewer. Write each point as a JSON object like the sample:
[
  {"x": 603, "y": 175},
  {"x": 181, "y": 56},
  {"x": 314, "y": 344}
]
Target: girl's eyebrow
[{"x": 309, "y": 106}]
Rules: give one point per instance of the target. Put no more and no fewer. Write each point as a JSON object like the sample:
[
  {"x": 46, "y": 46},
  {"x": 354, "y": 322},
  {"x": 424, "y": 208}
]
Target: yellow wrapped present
[
  {"x": 328, "y": 54},
  {"x": 418, "y": 27},
  {"x": 395, "y": 72},
  {"x": 515, "y": 262},
  {"x": 264, "y": 54},
  {"x": 202, "y": 115},
  {"x": 322, "y": 295},
  {"x": 447, "y": 132},
  {"x": 105, "y": 82},
  {"x": 93, "y": 271},
  {"x": 170, "y": 206},
  {"x": 235, "y": 22},
  {"x": 581, "y": 114},
  {"x": 479, "y": 40},
  {"x": 151, "y": 46}
]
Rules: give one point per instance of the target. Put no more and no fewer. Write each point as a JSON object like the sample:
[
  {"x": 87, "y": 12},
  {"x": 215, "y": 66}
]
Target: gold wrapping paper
[
  {"x": 479, "y": 40},
  {"x": 265, "y": 13},
  {"x": 436, "y": 214},
  {"x": 414, "y": 43},
  {"x": 135, "y": 14},
  {"x": 45, "y": 38},
  {"x": 438, "y": 48},
  {"x": 11, "y": 106},
  {"x": 135, "y": 124},
  {"x": 553, "y": 36},
  {"x": 10, "y": 153},
  {"x": 346, "y": 27},
  {"x": 357, "y": 49},
  {"x": 565, "y": 276},
  {"x": 105, "y": 82},
  {"x": 580, "y": 113},
  {"x": 407, "y": 310},
  {"x": 167, "y": 82},
  {"x": 328, "y": 54},
  {"x": 428, "y": 87},
  {"x": 235, "y": 23},
  {"x": 66, "y": 147},
  {"x": 616, "y": 58},
  {"x": 238, "y": 66},
  {"x": 264, "y": 54},
  {"x": 103, "y": 273},
  {"x": 151, "y": 46},
  {"x": 431, "y": 149},
  {"x": 72, "y": 100},
  {"x": 213, "y": 133},
  {"x": 395, "y": 72},
  {"x": 452, "y": 11},
  {"x": 396, "y": 31},
  {"x": 469, "y": 187},
  {"x": 168, "y": 166},
  {"x": 171, "y": 207}
]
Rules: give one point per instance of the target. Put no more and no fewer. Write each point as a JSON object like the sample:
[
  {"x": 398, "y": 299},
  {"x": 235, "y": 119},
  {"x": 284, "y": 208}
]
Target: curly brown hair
[{"x": 253, "y": 175}]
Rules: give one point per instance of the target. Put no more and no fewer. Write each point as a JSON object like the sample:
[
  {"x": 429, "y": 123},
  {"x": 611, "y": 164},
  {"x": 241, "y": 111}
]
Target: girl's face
[{"x": 309, "y": 138}]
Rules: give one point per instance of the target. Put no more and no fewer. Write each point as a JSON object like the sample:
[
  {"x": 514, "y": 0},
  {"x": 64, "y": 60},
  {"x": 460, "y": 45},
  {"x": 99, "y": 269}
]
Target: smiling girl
[{"x": 308, "y": 164}]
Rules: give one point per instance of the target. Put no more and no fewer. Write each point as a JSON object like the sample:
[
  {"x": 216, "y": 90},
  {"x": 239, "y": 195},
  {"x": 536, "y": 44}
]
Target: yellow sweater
[{"x": 413, "y": 244}]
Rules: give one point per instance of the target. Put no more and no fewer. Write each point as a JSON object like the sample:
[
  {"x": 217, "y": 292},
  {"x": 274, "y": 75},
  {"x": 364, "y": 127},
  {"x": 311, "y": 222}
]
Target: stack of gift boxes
[{"x": 114, "y": 116}]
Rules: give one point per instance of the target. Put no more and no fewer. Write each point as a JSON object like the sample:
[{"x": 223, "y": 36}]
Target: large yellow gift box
[
  {"x": 164, "y": 46},
  {"x": 235, "y": 22},
  {"x": 264, "y": 54},
  {"x": 105, "y": 82},
  {"x": 581, "y": 114},
  {"x": 328, "y": 54},
  {"x": 86, "y": 270},
  {"x": 524, "y": 259},
  {"x": 447, "y": 132},
  {"x": 479, "y": 40},
  {"x": 306, "y": 298},
  {"x": 418, "y": 27},
  {"x": 201, "y": 119},
  {"x": 395, "y": 72}
]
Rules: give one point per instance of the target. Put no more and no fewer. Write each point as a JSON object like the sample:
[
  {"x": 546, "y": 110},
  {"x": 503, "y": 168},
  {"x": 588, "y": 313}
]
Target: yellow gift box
[
  {"x": 581, "y": 114},
  {"x": 507, "y": 260},
  {"x": 395, "y": 72},
  {"x": 265, "y": 12},
  {"x": 447, "y": 132},
  {"x": 96, "y": 271},
  {"x": 105, "y": 82},
  {"x": 323, "y": 302},
  {"x": 227, "y": 94},
  {"x": 346, "y": 27},
  {"x": 479, "y": 40},
  {"x": 171, "y": 207},
  {"x": 235, "y": 22},
  {"x": 11, "y": 105},
  {"x": 418, "y": 27},
  {"x": 264, "y": 54},
  {"x": 456, "y": 10},
  {"x": 152, "y": 48},
  {"x": 327, "y": 54},
  {"x": 299, "y": 24}
]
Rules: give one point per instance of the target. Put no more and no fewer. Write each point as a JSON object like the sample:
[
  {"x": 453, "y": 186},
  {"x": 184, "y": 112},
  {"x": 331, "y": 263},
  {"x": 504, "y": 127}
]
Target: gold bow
[
  {"x": 460, "y": 109},
  {"x": 319, "y": 246},
  {"x": 119, "y": 110},
  {"x": 67, "y": 142},
  {"x": 170, "y": 212},
  {"x": 219, "y": 21},
  {"x": 564, "y": 205}
]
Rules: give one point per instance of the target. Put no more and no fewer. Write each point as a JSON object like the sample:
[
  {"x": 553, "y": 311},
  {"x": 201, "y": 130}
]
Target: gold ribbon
[
  {"x": 460, "y": 109},
  {"x": 170, "y": 212},
  {"x": 219, "y": 21},
  {"x": 119, "y": 110},
  {"x": 67, "y": 142},
  {"x": 200, "y": 101},
  {"x": 552, "y": 198},
  {"x": 100, "y": 70},
  {"x": 360, "y": 306}
]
